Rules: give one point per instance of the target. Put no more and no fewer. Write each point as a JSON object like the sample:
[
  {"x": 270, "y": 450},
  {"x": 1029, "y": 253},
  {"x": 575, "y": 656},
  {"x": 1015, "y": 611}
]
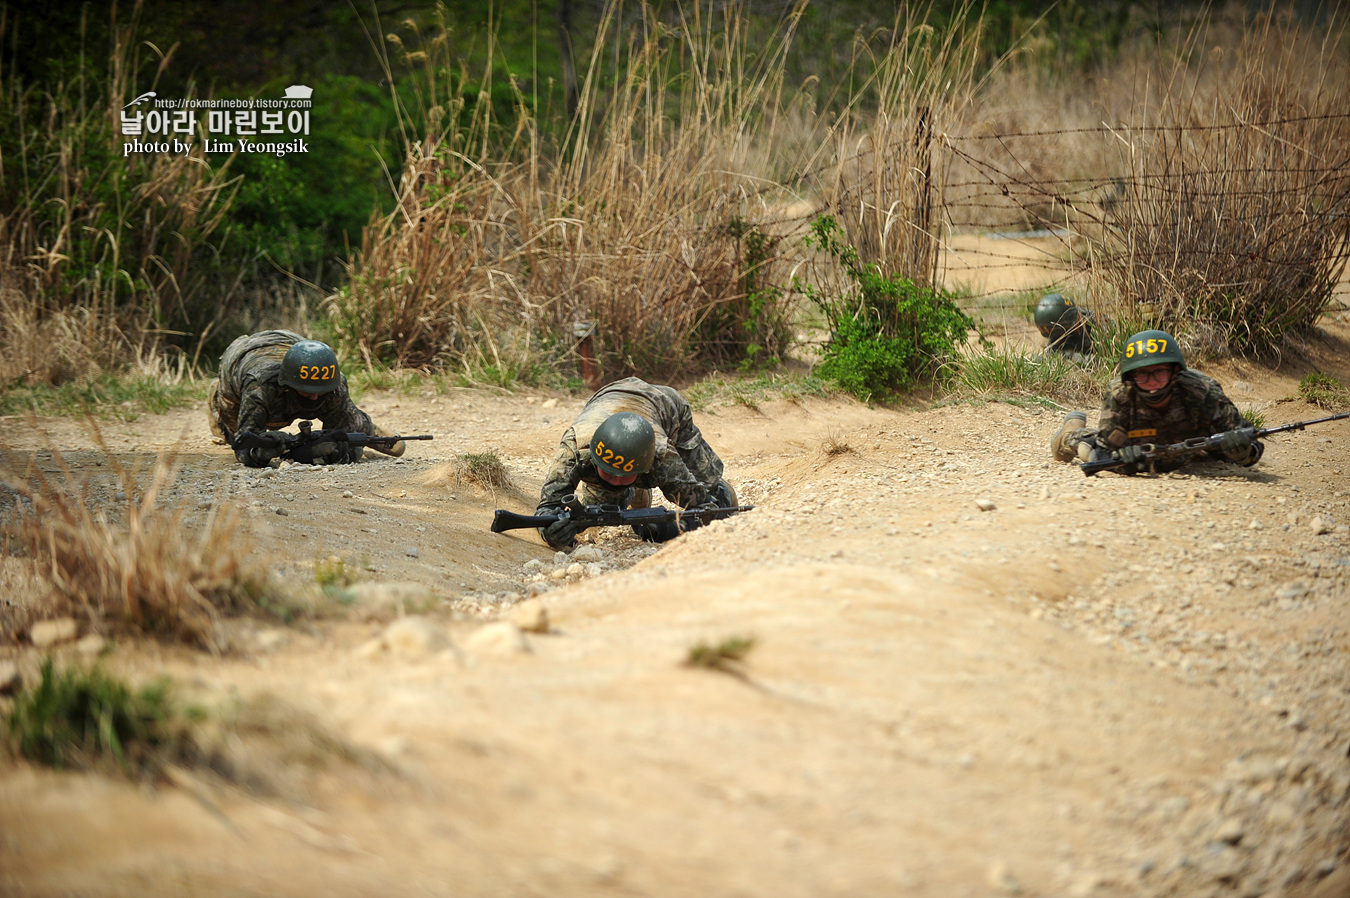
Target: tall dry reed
[
  {"x": 1233, "y": 224},
  {"x": 102, "y": 255},
  {"x": 642, "y": 220},
  {"x": 134, "y": 564}
]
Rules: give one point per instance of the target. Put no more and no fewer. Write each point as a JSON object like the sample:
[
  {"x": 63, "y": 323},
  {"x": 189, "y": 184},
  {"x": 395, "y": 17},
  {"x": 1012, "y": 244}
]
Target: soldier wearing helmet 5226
[
  {"x": 1065, "y": 325},
  {"x": 1157, "y": 400},
  {"x": 271, "y": 378},
  {"x": 630, "y": 438}
]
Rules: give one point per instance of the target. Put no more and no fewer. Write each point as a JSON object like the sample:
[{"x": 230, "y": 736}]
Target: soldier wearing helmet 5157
[
  {"x": 271, "y": 378},
  {"x": 630, "y": 438},
  {"x": 1157, "y": 400}
]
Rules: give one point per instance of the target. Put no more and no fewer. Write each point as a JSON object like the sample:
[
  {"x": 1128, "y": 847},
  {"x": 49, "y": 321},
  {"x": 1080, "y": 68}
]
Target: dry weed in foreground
[
  {"x": 150, "y": 572},
  {"x": 480, "y": 469},
  {"x": 727, "y": 656},
  {"x": 835, "y": 444}
]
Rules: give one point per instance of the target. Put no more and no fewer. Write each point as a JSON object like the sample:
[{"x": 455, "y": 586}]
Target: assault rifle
[
  {"x": 1194, "y": 445},
  {"x": 300, "y": 447},
  {"x": 587, "y": 516}
]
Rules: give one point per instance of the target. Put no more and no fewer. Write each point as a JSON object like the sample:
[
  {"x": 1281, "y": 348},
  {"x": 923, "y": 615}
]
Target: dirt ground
[{"x": 1115, "y": 686}]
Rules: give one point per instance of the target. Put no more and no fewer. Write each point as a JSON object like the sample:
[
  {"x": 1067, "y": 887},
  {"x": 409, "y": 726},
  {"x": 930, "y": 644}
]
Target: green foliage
[
  {"x": 726, "y": 656},
  {"x": 87, "y": 718},
  {"x": 124, "y": 397},
  {"x": 753, "y": 327},
  {"x": 1008, "y": 373},
  {"x": 888, "y": 334},
  {"x": 1254, "y": 418},
  {"x": 483, "y": 469},
  {"x": 333, "y": 573},
  {"x": 1324, "y": 390}
]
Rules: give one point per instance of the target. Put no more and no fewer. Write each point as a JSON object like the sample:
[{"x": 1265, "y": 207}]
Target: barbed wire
[{"x": 1115, "y": 131}]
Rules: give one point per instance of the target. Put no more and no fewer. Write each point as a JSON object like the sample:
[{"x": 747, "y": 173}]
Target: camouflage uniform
[
  {"x": 248, "y": 397},
  {"x": 1198, "y": 408},
  {"x": 686, "y": 469},
  {"x": 1076, "y": 343}
]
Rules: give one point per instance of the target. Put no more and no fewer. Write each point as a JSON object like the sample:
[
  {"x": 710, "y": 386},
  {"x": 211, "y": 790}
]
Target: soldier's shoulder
[
  {"x": 1197, "y": 383},
  {"x": 1116, "y": 391}
]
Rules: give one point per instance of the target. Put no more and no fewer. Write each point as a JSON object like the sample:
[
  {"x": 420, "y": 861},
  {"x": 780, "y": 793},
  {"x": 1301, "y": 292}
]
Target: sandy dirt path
[{"x": 1101, "y": 687}]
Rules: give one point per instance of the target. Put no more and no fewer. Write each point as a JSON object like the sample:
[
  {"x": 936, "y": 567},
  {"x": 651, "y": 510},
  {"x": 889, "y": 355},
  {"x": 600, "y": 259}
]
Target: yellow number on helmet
[
  {"x": 1164, "y": 345},
  {"x": 629, "y": 466},
  {"x": 1129, "y": 351},
  {"x": 1152, "y": 347}
]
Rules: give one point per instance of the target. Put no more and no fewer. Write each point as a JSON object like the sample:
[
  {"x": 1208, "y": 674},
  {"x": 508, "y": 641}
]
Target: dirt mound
[{"x": 1107, "y": 686}]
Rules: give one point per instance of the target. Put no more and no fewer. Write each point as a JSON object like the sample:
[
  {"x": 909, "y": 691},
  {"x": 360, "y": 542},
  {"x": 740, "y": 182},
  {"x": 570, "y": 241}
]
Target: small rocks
[
  {"x": 1319, "y": 525},
  {"x": 535, "y": 566},
  {"x": 283, "y": 512},
  {"x": 10, "y": 678},
  {"x": 531, "y": 616},
  {"x": 47, "y": 633},
  {"x": 346, "y": 494},
  {"x": 415, "y": 635},
  {"x": 91, "y": 645},
  {"x": 399, "y": 596},
  {"x": 500, "y": 638},
  {"x": 588, "y": 553},
  {"x": 1230, "y": 831},
  {"x": 411, "y": 551},
  {"x": 575, "y": 570},
  {"x": 985, "y": 504}
]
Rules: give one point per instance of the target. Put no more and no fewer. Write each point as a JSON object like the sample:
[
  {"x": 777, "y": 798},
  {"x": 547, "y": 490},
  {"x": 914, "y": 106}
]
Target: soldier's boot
[
  {"x": 725, "y": 494},
  {"x": 213, "y": 415},
  {"x": 395, "y": 450},
  {"x": 1063, "y": 445}
]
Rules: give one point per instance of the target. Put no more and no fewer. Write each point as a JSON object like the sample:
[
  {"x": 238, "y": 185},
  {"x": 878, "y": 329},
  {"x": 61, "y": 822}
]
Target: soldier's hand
[
  {"x": 1131, "y": 455},
  {"x": 562, "y": 533},
  {"x": 1236, "y": 442}
]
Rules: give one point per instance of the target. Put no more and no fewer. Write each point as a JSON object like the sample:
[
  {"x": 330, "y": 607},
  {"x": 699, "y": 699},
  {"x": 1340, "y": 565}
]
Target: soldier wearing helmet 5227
[
  {"x": 271, "y": 378},
  {"x": 630, "y": 438},
  {"x": 1157, "y": 400}
]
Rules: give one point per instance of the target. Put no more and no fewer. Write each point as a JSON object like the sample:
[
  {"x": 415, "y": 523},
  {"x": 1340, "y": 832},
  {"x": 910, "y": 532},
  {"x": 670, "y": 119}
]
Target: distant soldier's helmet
[
  {"x": 310, "y": 367},
  {"x": 1055, "y": 315},
  {"x": 624, "y": 445},
  {"x": 1146, "y": 349}
]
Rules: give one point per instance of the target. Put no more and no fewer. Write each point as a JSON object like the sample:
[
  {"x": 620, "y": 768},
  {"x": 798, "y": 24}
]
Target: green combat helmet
[
  {"x": 1148, "y": 348},
  {"x": 310, "y": 367},
  {"x": 1055, "y": 316},
  {"x": 624, "y": 444}
]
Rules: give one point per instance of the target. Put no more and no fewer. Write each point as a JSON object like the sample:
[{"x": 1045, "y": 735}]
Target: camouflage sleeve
[
  {"x": 1224, "y": 416},
  {"x": 253, "y": 408},
  {"x": 338, "y": 412},
  {"x": 677, "y": 482},
  {"x": 1112, "y": 428},
  {"x": 563, "y": 476}
]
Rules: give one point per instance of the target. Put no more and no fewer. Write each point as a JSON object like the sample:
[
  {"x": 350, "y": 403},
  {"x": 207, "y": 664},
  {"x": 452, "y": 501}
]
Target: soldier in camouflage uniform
[
  {"x": 271, "y": 378},
  {"x": 630, "y": 438},
  {"x": 1066, "y": 326},
  {"x": 1157, "y": 400}
]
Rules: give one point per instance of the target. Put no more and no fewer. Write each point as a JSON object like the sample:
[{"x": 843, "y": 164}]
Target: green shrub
[
  {"x": 1010, "y": 373},
  {"x": 726, "y": 656},
  {"x": 887, "y": 334},
  {"x": 86, "y": 718},
  {"x": 1324, "y": 391}
]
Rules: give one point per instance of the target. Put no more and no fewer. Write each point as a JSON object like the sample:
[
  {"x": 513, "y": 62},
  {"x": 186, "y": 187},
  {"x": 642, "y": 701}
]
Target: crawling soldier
[
  {"x": 271, "y": 378},
  {"x": 1156, "y": 399},
  {"x": 1065, "y": 325},
  {"x": 631, "y": 437}
]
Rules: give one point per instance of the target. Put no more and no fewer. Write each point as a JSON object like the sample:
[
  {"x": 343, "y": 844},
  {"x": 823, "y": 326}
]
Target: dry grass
[
  {"x": 644, "y": 221},
  {"x": 887, "y": 180},
  {"x": 101, "y": 255},
  {"x": 134, "y": 564},
  {"x": 483, "y": 470},
  {"x": 727, "y": 656}
]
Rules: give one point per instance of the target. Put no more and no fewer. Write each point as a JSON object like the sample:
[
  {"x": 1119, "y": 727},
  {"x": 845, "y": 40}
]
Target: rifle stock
[{"x": 1195, "y": 444}]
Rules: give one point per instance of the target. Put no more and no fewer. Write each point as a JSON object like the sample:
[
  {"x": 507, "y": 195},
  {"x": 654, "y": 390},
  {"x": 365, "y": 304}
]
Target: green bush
[
  {"x": 78, "y": 718},
  {"x": 887, "y": 334},
  {"x": 1324, "y": 391}
]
